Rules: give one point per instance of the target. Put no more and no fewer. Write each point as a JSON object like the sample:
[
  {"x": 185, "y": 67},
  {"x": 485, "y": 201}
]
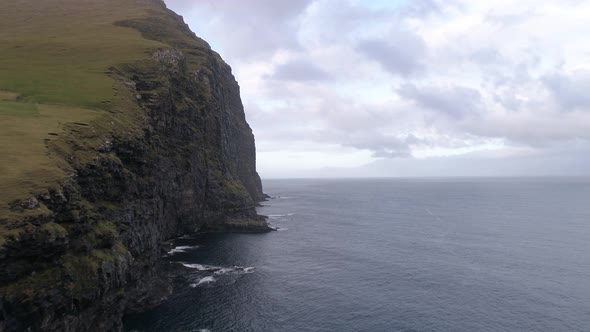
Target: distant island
[{"x": 119, "y": 129}]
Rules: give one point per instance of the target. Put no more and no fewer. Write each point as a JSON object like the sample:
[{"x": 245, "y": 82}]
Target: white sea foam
[
  {"x": 218, "y": 270},
  {"x": 224, "y": 270},
  {"x": 201, "y": 267},
  {"x": 235, "y": 270},
  {"x": 205, "y": 280},
  {"x": 181, "y": 249},
  {"x": 280, "y": 216}
]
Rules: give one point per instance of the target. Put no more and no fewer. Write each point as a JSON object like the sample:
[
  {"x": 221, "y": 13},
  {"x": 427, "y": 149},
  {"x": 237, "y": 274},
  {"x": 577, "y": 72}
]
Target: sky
[{"x": 338, "y": 88}]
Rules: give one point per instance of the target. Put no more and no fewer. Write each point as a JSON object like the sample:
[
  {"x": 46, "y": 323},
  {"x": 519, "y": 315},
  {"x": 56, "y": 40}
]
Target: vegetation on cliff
[{"x": 119, "y": 129}]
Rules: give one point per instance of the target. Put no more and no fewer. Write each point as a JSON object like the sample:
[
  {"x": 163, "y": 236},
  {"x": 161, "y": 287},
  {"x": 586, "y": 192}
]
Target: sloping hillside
[{"x": 56, "y": 60}]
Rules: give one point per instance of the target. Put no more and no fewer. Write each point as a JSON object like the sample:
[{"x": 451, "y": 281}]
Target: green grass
[
  {"x": 56, "y": 57},
  {"x": 25, "y": 164},
  {"x": 57, "y": 51}
]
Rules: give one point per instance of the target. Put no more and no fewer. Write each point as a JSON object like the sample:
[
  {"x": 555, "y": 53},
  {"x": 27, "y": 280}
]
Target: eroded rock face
[{"x": 93, "y": 251}]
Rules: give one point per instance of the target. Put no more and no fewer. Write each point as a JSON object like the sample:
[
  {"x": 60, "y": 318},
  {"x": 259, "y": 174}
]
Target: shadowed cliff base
[{"x": 166, "y": 152}]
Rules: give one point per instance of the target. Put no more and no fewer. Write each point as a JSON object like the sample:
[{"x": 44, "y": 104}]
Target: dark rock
[{"x": 95, "y": 254}]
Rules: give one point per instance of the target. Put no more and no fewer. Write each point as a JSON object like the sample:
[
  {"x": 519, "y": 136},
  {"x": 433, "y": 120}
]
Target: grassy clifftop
[
  {"x": 119, "y": 129},
  {"x": 56, "y": 60},
  {"x": 57, "y": 51}
]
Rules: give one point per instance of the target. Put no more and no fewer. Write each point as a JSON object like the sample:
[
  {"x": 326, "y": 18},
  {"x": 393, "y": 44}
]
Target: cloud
[
  {"x": 571, "y": 91},
  {"x": 401, "y": 53},
  {"x": 406, "y": 80},
  {"x": 519, "y": 162},
  {"x": 323, "y": 118},
  {"x": 299, "y": 70},
  {"x": 423, "y": 7},
  {"x": 246, "y": 29},
  {"x": 452, "y": 101}
]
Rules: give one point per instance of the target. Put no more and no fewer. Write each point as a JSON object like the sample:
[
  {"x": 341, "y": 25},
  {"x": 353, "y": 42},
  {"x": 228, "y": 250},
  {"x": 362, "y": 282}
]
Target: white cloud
[{"x": 339, "y": 83}]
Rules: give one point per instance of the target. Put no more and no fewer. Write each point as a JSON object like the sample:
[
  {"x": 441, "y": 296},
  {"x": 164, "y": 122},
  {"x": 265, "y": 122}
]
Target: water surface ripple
[{"x": 395, "y": 255}]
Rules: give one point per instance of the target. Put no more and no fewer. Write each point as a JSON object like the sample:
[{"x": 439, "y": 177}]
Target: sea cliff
[{"x": 172, "y": 155}]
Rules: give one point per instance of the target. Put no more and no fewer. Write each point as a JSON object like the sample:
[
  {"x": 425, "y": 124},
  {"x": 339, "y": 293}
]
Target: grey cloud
[
  {"x": 299, "y": 70},
  {"x": 179, "y": 5},
  {"x": 422, "y": 7},
  {"x": 570, "y": 91},
  {"x": 486, "y": 56},
  {"x": 508, "y": 99},
  {"x": 250, "y": 10},
  {"x": 379, "y": 128},
  {"x": 248, "y": 29},
  {"x": 522, "y": 16},
  {"x": 346, "y": 37},
  {"x": 381, "y": 145},
  {"x": 532, "y": 129},
  {"x": 402, "y": 53},
  {"x": 334, "y": 120},
  {"x": 455, "y": 101},
  {"x": 510, "y": 19},
  {"x": 335, "y": 20},
  {"x": 573, "y": 162}
]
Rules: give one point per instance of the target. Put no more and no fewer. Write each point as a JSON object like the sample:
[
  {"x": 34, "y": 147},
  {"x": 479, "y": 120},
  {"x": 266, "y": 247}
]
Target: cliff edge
[{"x": 132, "y": 132}]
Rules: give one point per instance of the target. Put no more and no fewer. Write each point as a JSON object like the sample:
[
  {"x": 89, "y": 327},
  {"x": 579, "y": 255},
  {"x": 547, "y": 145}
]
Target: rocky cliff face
[{"x": 185, "y": 164}]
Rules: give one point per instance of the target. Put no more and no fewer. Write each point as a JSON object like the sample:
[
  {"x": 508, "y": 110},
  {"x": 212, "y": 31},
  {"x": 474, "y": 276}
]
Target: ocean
[{"x": 473, "y": 254}]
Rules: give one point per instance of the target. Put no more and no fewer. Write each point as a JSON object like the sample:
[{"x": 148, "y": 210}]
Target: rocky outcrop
[{"x": 89, "y": 250}]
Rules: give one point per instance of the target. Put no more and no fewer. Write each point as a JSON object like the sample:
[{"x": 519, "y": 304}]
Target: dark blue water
[{"x": 395, "y": 255}]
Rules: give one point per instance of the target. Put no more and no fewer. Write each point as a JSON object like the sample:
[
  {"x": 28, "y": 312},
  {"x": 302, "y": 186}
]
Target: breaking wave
[
  {"x": 181, "y": 249},
  {"x": 205, "y": 280},
  {"x": 280, "y": 216},
  {"x": 218, "y": 270}
]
